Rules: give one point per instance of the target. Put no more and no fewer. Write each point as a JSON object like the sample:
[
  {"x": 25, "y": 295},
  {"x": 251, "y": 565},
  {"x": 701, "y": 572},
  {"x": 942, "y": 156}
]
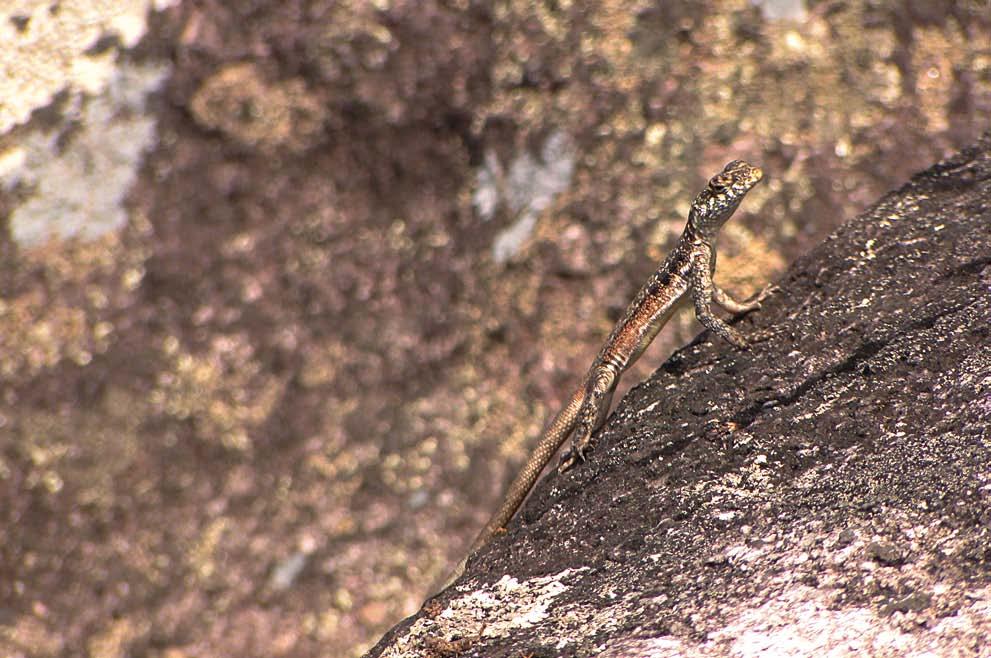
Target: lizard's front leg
[
  {"x": 598, "y": 396},
  {"x": 704, "y": 293}
]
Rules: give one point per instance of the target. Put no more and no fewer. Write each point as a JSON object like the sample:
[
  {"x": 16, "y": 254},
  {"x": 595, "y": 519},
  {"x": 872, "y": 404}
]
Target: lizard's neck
[{"x": 695, "y": 234}]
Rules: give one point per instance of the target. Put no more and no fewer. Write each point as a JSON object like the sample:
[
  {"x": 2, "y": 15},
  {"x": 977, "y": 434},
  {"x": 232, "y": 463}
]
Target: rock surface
[
  {"x": 287, "y": 287},
  {"x": 827, "y": 491}
]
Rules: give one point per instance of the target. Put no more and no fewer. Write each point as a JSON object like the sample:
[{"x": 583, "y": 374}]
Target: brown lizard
[{"x": 689, "y": 267}]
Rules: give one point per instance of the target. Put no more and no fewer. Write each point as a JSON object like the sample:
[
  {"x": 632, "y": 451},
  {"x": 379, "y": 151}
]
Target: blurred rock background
[{"x": 287, "y": 287}]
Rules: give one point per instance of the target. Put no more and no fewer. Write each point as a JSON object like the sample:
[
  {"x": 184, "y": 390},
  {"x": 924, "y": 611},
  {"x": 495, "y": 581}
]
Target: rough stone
[{"x": 835, "y": 487}]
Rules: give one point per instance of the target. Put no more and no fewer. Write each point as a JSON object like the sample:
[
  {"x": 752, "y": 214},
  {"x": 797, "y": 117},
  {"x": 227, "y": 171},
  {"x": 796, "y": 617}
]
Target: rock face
[
  {"x": 287, "y": 286},
  {"x": 827, "y": 490}
]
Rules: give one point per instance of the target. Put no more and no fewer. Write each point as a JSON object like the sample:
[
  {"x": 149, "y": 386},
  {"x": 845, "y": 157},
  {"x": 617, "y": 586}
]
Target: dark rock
[
  {"x": 867, "y": 440},
  {"x": 883, "y": 553},
  {"x": 914, "y": 602},
  {"x": 846, "y": 538}
]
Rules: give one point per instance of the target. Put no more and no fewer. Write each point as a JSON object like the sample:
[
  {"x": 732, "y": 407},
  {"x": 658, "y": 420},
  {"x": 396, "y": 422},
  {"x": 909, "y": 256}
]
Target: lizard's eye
[{"x": 719, "y": 183}]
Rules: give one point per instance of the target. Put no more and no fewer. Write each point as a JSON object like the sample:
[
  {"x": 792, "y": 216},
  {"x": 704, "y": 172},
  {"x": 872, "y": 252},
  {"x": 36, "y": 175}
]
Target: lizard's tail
[{"x": 550, "y": 442}]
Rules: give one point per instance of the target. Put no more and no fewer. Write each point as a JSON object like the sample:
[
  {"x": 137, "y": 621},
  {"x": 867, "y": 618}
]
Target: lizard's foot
[
  {"x": 574, "y": 456},
  {"x": 769, "y": 289},
  {"x": 747, "y": 307},
  {"x": 752, "y": 304},
  {"x": 735, "y": 338}
]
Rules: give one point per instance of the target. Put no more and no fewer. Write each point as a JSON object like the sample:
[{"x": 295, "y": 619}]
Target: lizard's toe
[
  {"x": 737, "y": 340},
  {"x": 768, "y": 290},
  {"x": 570, "y": 459}
]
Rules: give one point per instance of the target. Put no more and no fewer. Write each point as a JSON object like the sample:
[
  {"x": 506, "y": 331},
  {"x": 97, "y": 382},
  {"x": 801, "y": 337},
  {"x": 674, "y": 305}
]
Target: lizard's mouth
[{"x": 756, "y": 174}]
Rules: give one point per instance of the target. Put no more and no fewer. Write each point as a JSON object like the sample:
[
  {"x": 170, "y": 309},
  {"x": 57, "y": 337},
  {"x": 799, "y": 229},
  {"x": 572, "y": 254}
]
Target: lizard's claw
[
  {"x": 570, "y": 459},
  {"x": 769, "y": 289},
  {"x": 737, "y": 340},
  {"x": 754, "y": 303}
]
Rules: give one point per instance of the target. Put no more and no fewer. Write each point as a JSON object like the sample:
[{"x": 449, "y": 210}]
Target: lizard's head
[{"x": 722, "y": 194}]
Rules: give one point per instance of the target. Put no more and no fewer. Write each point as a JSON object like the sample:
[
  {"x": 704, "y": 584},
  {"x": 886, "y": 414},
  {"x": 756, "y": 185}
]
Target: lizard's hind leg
[{"x": 592, "y": 415}]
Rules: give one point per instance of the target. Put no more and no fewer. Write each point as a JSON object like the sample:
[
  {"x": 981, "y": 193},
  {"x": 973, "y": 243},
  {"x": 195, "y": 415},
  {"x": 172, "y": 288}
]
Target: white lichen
[
  {"x": 76, "y": 187},
  {"x": 526, "y": 188}
]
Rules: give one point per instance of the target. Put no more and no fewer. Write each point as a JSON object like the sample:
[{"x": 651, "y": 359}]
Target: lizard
[{"x": 687, "y": 269}]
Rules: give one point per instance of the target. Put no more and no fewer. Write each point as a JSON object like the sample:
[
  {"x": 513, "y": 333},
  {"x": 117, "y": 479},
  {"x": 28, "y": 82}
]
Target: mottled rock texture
[
  {"x": 827, "y": 492},
  {"x": 288, "y": 286}
]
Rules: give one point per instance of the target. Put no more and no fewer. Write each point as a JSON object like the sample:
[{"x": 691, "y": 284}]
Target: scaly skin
[{"x": 689, "y": 267}]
